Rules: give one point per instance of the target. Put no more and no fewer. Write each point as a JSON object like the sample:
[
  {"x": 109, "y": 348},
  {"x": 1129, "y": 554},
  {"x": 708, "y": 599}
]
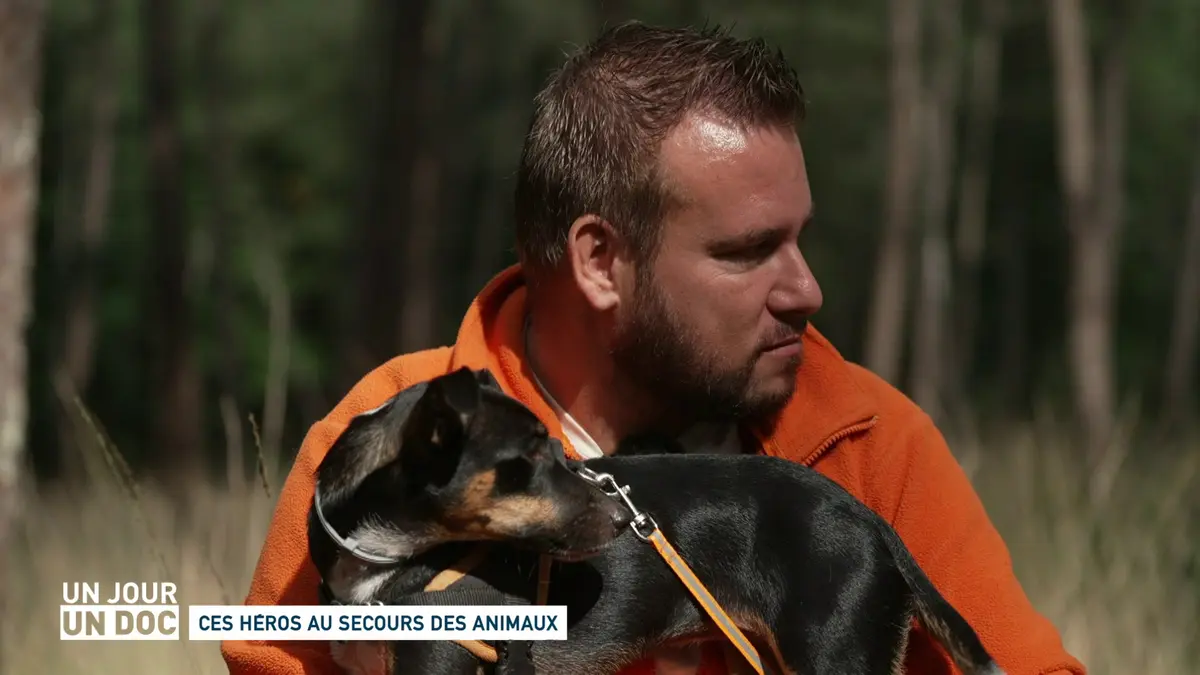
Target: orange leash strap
[
  {"x": 647, "y": 530},
  {"x": 450, "y": 576},
  {"x": 706, "y": 600},
  {"x": 543, "y": 587}
]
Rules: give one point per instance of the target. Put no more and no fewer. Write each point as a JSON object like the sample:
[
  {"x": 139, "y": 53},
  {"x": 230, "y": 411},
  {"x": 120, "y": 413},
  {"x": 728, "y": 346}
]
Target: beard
[{"x": 662, "y": 356}]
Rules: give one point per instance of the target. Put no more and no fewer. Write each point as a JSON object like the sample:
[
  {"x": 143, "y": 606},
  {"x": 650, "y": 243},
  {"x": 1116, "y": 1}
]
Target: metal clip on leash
[{"x": 643, "y": 524}]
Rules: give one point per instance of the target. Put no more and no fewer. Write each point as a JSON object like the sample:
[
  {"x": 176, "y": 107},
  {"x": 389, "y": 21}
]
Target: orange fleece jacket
[{"x": 843, "y": 420}]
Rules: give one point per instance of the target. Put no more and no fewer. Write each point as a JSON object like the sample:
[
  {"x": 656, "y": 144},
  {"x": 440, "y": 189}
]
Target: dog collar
[{"x": 349, "y": 544}]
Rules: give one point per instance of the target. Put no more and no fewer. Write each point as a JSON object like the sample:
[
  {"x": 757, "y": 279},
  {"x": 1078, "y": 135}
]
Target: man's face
[{"x": 712, "y": 324}]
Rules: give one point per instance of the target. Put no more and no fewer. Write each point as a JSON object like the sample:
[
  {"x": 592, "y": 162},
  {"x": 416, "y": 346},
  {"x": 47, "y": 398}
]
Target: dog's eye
[{"x": 513, "y": 475}]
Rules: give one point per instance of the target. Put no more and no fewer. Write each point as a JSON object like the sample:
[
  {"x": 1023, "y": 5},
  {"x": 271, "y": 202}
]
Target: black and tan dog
[{"x": 821, "y": 582}]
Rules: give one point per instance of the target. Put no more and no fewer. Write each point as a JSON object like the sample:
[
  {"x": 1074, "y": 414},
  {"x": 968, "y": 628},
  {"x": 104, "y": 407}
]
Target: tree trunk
[
  {"x": 940, "y": 107},
  {"x": 81, "y": 247},
  {"x": 418, "y": 317},
  {"x": 1185, "y": 328},
  {"x": 488, "y": 241},
  {"x": 1092, "y": 258},
  {"x": 21, "y": 26},
  {"x": 1014, "y": 312},
  {"x": 984, "y": 88},
  {"x": 885, "y": 332},
  {"x": 1091, "y": 159},
  {"x": 222, "y": 172},
  {"x": 395, "y": 33},
  {"x": 1076, "y": 158},
  {"x": 1097, "y": 297},
  {"x": 272, "y": 284},
  {"x": 177, "y": 420}
]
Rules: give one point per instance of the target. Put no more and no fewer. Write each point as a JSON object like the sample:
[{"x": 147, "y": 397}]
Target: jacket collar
[{"x": 827, "y": 404}]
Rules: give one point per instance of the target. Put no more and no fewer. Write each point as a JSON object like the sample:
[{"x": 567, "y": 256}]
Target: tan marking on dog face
[
  {"x": 472, "y": 502},
  {"x": 478, "y": 492},
  {"x": 512, "y": 514},
  {"x": 479, "y": 513}
]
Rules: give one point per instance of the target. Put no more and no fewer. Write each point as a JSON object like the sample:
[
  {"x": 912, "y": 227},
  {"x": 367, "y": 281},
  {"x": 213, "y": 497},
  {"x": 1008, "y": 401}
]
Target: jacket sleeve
[
  {"x": 938, "y": 514},
  {"x": 285, "y": 575}
]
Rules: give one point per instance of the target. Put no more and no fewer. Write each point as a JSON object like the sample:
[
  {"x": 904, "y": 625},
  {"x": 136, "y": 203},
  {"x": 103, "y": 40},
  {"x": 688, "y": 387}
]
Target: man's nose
[{"x": 796, "y": 294}]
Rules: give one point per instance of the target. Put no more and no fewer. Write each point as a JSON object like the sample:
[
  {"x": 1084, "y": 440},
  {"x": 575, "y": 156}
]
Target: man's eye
[{"x": 756, "y": 253}]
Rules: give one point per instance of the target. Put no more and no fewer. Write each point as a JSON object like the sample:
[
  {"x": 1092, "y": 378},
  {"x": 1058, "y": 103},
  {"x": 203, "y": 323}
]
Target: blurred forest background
[{"x": 215, "y": 217}]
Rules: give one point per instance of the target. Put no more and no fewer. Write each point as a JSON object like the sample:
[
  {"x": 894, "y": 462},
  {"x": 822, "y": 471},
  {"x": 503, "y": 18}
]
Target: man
[{"x": 660, "y": 199}]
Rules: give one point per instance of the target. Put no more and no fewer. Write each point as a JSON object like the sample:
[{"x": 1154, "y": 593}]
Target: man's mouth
[{"x": 787, "y": 347}]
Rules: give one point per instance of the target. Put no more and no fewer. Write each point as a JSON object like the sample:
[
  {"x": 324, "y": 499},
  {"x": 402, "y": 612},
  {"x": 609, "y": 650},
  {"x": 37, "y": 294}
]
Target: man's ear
[
  {"x": 436, "y": 429},
  {"x": 595, "y": 254}
]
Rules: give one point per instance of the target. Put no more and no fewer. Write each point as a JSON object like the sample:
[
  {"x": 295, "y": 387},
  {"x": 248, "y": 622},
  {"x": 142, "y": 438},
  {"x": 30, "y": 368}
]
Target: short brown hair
[{"x": 593, "y": 143}]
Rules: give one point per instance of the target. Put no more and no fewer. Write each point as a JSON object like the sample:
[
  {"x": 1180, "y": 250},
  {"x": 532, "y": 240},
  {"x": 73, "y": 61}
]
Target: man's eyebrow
[
  {"x": 754, "y": 238},
  {"x": 748, "y": 240}
]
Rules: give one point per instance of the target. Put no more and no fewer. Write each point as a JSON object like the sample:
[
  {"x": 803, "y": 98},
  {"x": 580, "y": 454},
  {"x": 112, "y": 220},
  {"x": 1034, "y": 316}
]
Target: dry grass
[{"x": 1111, "y": 557}]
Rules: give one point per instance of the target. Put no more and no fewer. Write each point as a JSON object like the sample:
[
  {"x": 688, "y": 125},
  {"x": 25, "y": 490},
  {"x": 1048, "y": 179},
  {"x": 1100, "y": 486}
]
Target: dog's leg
[
  {"x": 898, "y": 667},
  {"x": 855, "y": 642}
]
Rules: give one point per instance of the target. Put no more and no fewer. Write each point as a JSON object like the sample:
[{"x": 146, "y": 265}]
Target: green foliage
[{"x": 293, "y": 101}]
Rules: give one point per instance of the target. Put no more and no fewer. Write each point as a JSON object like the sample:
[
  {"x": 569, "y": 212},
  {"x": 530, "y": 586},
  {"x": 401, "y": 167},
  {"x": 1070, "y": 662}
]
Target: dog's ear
[
  {"x": 485, "y": 378},
  {"x": 437, "y": 427},
  {"x": 456, "y": 392}
]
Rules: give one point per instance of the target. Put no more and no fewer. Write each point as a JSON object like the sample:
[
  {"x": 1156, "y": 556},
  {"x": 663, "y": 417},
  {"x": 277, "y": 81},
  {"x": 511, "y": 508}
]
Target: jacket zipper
[{"x": 836, "y": 438}]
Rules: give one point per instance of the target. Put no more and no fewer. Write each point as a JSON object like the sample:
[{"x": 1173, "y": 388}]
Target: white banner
[{"x": 373, "y": 622}]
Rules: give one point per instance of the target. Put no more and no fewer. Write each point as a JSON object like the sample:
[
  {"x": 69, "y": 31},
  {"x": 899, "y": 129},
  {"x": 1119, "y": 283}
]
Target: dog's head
[{"x": 485, "y": 468}]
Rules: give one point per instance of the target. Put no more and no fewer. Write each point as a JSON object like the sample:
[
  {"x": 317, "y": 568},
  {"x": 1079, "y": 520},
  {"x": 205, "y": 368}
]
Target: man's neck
[{"x": 592, "y": 397}]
